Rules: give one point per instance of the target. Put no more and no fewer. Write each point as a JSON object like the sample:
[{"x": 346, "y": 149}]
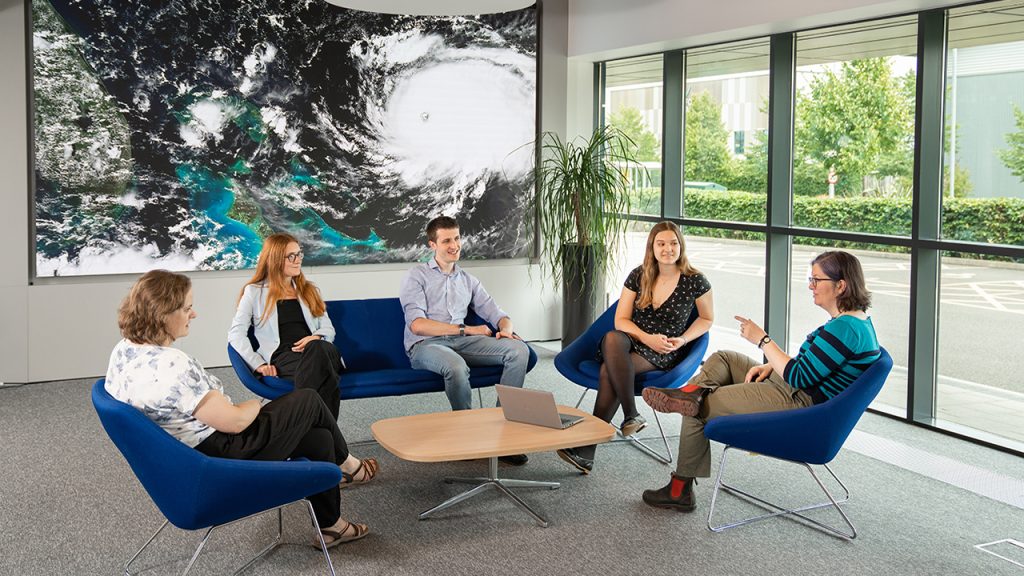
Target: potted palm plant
[{"x": 582, "y": 199}]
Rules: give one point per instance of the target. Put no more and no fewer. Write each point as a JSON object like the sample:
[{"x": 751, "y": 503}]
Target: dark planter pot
[{"x": 583, "y": 298}]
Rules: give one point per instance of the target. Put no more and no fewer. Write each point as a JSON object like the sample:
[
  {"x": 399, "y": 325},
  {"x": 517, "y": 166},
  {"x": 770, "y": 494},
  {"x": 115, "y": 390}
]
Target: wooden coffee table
[{"x": 483, "y": 433}]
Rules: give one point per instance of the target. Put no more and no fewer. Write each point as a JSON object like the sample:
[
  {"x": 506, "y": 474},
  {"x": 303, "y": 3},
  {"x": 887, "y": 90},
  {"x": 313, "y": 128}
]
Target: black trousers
[
  {"x": 296, "y": 425},
  {"x": 316, "y": 367}
]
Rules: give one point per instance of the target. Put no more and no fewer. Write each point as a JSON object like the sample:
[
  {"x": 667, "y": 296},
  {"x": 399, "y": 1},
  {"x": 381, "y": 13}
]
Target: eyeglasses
[
  {"x": 294, "y": 257},
  {"x": 814, "y": 281}
]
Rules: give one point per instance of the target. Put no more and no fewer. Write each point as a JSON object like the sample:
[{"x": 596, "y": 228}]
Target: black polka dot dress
[{"x": 668, "y": 319}]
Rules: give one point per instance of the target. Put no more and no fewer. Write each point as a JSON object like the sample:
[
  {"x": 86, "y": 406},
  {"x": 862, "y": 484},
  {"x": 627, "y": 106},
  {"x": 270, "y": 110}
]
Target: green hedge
[{"x": 986, "y": 220}]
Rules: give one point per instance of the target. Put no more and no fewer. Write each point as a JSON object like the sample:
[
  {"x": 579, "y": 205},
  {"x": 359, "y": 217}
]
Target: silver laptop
[{"x": 533, "y": 407}]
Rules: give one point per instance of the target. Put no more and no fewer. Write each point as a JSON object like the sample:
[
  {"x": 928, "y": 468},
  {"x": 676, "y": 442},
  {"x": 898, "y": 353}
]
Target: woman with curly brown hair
[{"x": 178, "y": 394}]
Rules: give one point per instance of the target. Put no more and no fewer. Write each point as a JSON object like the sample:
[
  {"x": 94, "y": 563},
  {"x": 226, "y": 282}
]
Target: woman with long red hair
[{"x": 290, "y": 323}]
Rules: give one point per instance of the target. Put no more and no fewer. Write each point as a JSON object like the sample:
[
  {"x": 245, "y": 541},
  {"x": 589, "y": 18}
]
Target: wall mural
[{"x": 178, "y": 134}]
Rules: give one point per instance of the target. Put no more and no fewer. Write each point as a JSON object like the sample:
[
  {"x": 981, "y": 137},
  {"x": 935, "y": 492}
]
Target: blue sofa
[{"x": 369, "y": 337}]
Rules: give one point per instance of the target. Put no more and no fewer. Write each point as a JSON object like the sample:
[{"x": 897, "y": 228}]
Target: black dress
[
  {"x": 291, "y": 327},
  {"x": 319, "y": 363},
  {"x": 669, "y": 319}
]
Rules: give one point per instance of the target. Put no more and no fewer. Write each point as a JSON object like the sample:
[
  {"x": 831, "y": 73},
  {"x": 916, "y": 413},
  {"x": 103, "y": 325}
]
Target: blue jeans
[{"x": 451, "y": 357}]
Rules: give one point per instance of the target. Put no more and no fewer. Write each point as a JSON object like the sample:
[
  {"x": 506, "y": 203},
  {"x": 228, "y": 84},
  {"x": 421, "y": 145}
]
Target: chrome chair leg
[
  {"x": 127, "y": 564},
  {"x": 195, "y": 555},
  {"x": 664, "y": 458},
  {"x": 206, "y": 538},
  {"x": 480, "y": 396},
  {"x": 320, "y": 536},
  {"x": 582, "y": 396},
  {"x": 781, "y": 510},
  {"x": 269, "y": 547}
]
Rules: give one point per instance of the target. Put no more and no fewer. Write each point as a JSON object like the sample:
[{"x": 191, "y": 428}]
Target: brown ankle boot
[{"x": 677, "y": 495}]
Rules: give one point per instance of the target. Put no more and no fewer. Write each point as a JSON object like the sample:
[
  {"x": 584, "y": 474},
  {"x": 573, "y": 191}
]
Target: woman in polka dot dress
[{"x": 650, "y": 330}]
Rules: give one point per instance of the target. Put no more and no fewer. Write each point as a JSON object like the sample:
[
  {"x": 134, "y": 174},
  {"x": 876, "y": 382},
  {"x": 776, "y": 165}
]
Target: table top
[{"x": 481, "y": 433}]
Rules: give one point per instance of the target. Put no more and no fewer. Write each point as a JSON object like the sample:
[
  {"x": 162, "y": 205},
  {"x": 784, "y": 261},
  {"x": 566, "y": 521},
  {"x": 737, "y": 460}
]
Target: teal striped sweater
[{"x": 833, "y": 357}]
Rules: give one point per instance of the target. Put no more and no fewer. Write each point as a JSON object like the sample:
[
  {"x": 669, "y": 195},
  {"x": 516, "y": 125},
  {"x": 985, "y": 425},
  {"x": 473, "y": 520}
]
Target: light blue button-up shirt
[{"x": 427, "y": 292}]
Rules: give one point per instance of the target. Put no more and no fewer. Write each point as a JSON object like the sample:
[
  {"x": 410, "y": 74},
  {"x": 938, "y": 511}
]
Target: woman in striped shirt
[{"x": 831, "y": 358}]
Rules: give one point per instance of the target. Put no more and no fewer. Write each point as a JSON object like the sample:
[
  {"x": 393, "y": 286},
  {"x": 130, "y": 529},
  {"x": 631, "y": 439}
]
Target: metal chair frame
[
  {"x": 266, "y": 550},
  {"x": 665, "y": 458},
  {"x": 776, "y": 509},
  {"x": 771, "y": 434}
]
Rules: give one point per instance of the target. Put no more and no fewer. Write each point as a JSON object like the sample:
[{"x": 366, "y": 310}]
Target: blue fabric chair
[
  {"x": 196, "y": 491},
  {"x": 370, "y": 338},
  {"x": 805, "y": 436},
  {"x": 578, "y": 362}
]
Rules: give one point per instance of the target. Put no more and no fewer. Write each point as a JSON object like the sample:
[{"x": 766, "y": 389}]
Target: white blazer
[{"x": 250, "y": 310}]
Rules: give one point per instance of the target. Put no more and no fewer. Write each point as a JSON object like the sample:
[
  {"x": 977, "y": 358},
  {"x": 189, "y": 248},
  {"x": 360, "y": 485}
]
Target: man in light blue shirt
[{"x": 436, "y": 297}]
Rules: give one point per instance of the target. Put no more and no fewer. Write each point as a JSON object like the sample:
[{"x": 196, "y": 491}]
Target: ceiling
[{"x": 434, "y": 7}]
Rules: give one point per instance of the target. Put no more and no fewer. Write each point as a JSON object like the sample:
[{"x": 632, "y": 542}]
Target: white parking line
[{"x": 986, "y": 296}]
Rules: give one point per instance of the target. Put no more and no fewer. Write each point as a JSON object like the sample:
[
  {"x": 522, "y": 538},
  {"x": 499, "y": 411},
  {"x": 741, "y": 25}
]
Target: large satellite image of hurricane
[{"x": 178, "y": 134}]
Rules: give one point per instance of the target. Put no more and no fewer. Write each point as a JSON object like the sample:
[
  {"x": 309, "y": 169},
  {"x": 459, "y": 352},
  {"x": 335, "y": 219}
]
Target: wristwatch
[
  {"x": 462, "y": 329},
  {"x": 764, "y": 342}
]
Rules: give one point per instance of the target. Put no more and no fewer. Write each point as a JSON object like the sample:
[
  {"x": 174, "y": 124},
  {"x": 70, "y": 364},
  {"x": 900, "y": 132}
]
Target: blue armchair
[
  {"x": 805, "y": 436},
  {"x": 196, "y": 491},
  {"x": 578, "y": 363},
  {"x": 369, "y": 336}
]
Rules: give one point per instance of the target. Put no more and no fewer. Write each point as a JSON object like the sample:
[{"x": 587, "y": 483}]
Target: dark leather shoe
[
  {"x": 663, "y": 498},
  {"x": 674, "y": 400},
  {"x": 514, "y": 459},
  {"x": 584, "y": 465}
]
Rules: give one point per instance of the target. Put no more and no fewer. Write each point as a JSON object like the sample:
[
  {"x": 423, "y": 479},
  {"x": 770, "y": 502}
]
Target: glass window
[
  {"x": 630, "y": 255},
  {"x": 887, "y": 274},
  {"x": 739, "y": 142},
  {"x": 981, "y": 308},
  {"x": 735, "y": 267},
  {"x": 983, "y": 184},
  {"x": 853, "y": 144},
  {"x": 633, "y": 103},
  {"x": 726, "y": 173}
]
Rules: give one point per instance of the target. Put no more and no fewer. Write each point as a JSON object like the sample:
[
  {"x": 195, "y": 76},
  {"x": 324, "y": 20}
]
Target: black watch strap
[
  {"x": 462, "y": 329},
  {"x": 764, "y": 342}
]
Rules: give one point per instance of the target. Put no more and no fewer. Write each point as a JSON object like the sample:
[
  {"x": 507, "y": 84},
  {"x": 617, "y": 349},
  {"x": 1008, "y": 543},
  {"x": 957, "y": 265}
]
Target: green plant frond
[{"x": 582, "y": 191}]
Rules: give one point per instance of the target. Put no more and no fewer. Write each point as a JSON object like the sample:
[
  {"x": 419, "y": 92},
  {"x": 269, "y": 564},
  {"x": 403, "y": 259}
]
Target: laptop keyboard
[{"x": 568, "y": 420}]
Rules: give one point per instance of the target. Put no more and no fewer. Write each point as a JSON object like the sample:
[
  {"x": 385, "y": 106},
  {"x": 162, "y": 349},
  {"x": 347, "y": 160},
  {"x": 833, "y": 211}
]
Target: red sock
[
  {"x": 690, "y": 388},
  {"x": 675, "y": 489}
]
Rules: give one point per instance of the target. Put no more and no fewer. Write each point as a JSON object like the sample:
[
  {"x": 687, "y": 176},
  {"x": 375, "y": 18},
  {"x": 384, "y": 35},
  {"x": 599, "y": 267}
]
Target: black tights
[{"x": 616, "y": 383}]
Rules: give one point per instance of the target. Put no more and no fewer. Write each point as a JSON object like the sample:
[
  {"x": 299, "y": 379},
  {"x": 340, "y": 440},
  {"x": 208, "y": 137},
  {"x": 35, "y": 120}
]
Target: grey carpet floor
[{"x": 69, "y": 504}]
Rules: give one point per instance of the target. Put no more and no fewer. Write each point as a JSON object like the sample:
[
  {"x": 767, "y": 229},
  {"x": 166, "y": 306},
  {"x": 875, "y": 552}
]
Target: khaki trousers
[{"x": 723, "y": 374}]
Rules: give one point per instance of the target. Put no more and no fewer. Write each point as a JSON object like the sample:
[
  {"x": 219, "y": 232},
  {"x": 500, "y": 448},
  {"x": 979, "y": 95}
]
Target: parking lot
[{"x": 981, "y": 322}]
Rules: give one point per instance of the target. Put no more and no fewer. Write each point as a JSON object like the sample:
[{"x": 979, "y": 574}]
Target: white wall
[
  {"x": 62, "y": 330},
  {"x": 13, "y": 196},
  {"x": 605, "y": 29}
]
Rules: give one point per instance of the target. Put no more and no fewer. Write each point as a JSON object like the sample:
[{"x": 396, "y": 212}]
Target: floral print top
[
  {"x": 165, "y": 383},
  {"x": 670, "y": 319}
]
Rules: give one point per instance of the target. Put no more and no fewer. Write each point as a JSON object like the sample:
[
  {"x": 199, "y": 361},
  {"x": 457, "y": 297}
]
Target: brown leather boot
[{"x": 676, "y": 495}]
